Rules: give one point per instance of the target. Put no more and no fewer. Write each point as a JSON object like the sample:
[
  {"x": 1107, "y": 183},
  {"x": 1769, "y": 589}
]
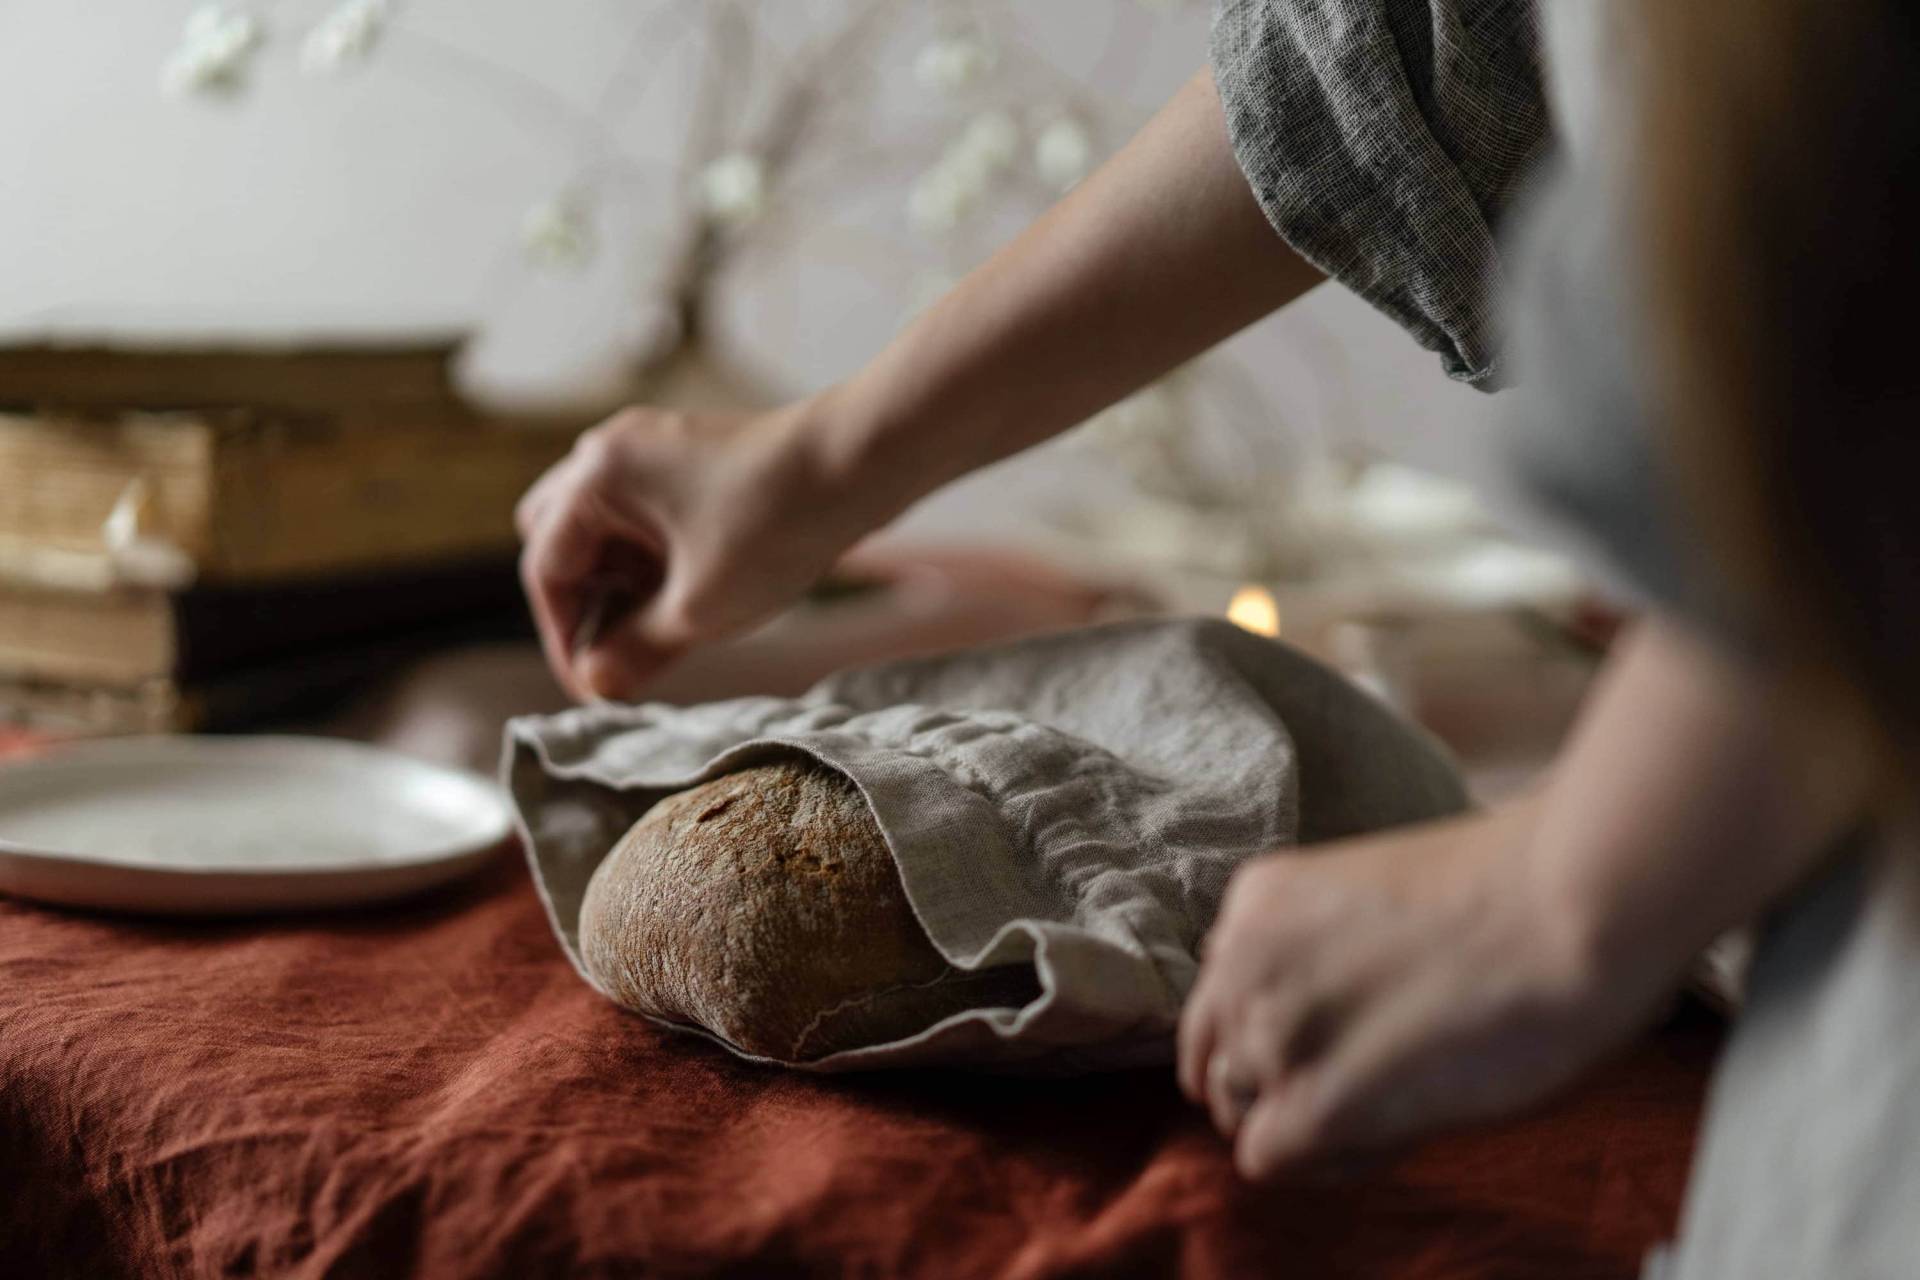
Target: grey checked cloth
[
  {"x": 1384, "y": 140},
  {"x": 1075, "y": 803}
]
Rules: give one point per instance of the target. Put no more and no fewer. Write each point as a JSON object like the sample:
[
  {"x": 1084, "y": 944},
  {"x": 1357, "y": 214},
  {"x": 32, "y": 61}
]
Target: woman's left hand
[{"x": 1370, "y": 992}]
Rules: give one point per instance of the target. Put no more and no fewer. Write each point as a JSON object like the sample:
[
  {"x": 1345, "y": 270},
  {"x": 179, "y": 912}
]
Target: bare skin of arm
[
  {"x": 1353, "y": 996},
  {"x": 1375, "y": 991},
  {"x": 715, "y": 522}
]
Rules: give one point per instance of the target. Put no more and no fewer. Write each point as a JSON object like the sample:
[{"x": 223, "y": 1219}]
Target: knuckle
[
  {"x": 1275, "y": 869},
  {"x": 1290, "y": 1137},
  {"x": 1318, "y": 1130},
  {"x": 678, "y": 622},
  {"x": 1217, "y": 942},
  {"x": 1237, "y": 913},
  {"x": 532, "y": 576},
  {"x": 633, "y": 418},
  {"x": 523, "y": 514},
  {"x": 541, "y": 557},
  {"x": 1196, "y": 1015},
  {"x": 598, "y": 448},
  {"x": 701, "y": 603},
  {"x": 629, "y": 444},
  {"x": 1264, "y": 1032},
  {"x": 1253, "y": 880},
  {"x": 607, "y": 440}
]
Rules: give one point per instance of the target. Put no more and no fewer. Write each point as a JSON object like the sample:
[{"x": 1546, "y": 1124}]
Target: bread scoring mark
[
  {"x": 800, "y": 860},
  {"x": 715, "y": 810}
]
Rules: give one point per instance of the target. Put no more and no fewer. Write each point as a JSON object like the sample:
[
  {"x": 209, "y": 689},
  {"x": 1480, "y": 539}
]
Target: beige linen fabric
[{"x": 1075, "y": 803}]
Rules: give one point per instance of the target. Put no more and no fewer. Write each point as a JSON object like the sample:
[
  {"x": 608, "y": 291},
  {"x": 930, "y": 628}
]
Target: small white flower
[
  {"x": 558, "y": 233},
  {"x": 970, "y": 172},
  {"x": 1391, "y": 501},
  {"x": 213, "y": 51},
  {"x": 733, "y": 189},
  {"x": 993, "y": 137},
  {"x": 940, "y": 199},
  {"x": 1495, "y": 574},
  {"x": 347, "y": 35},
  {"x": 1063, "y": 153},
  {"x": 952, "y": 63},
  {"x": 965, "y": 173}
]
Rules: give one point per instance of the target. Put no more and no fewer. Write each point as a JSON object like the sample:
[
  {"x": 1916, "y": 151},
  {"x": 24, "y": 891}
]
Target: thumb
[
  {"x": 702, "y": 599},
  {"x": 621, "y": 663},
  {"x": 619, "y": 649}
]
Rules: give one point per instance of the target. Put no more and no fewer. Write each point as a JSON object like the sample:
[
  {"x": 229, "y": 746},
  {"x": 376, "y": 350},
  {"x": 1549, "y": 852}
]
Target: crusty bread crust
[{"x": 765, "y": 907}]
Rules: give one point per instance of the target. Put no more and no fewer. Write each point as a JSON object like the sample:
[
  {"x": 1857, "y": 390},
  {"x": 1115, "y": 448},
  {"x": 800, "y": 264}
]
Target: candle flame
[{"x": 1254, "y": 609}]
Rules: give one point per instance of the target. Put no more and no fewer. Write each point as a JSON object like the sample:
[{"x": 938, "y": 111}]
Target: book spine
[
  {"x": 237, "y": 498},
  {"x": 329, "y": 499},
  {"x": 62, "y": 478},
  {"x": 104, "y": 638}
]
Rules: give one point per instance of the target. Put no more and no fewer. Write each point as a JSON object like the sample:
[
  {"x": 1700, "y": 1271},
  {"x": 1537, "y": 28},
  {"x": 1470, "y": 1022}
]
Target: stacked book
[{"x": 215, "y": 539}]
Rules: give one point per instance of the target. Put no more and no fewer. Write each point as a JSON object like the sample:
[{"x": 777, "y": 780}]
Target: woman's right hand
[{"x": 661, "y": 530}]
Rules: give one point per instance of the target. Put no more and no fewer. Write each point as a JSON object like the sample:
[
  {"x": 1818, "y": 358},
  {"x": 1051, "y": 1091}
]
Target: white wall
[{"x": 390, "y": 200}]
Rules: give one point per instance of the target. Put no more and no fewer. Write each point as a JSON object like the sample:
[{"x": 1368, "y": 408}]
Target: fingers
[
  {"x": 534, "y": 503},
  {"x": 1340, "y": 1105},
  {"x": 1229, "y": 1045},
  {"x": 1232, "y": 1089},
  {"x": 1380, "y": 1081},
  {"x": 617, "y": 671},
  {"x": 1248, "y": 955},
  {"x": 625, "y": 653},
  {"x": 587, "y": 559},
  {"x": 557, "y": 554},
  {"x": 1195, "y": 1042},
  {"x": 1211, "y": 1004},
  {"x": 1286, "y": 1128},
  {"x": 1271, "y": 1002},
  {"x": 659, "y": 531},
  {"x": 1271, "y": 1037},
  {"x": 1381, "y": 992},
  {"x": 608, "y": 618},
  {"x": 1356, "y": 1100},
  {"x": 1309, "y": 1071}
]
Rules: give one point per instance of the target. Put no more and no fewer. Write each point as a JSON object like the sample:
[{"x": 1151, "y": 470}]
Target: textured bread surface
[{"x": 765, "y": 907}]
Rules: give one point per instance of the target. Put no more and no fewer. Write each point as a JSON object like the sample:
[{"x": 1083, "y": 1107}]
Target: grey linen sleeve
[{"x": 1384, "y": 140}]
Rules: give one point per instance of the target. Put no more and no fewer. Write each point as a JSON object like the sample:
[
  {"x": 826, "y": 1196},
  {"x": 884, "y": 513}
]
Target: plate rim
[{"x": 500, "y": 829}]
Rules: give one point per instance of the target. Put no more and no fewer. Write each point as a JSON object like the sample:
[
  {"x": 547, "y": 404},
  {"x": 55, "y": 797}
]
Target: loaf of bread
[{"x": 765, "y": 907}]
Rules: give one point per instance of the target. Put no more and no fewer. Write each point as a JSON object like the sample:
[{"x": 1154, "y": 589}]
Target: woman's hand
[
  {"x": 661, "y": 530},
  {"x": 1373, "y": 991},
  {"x": 1377, "y": 990},
  {"x": 706, "y": 524}
]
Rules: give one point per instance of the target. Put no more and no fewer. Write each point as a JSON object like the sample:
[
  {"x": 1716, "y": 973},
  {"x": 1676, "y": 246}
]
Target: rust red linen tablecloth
[{"x": 430, "y": 1090}]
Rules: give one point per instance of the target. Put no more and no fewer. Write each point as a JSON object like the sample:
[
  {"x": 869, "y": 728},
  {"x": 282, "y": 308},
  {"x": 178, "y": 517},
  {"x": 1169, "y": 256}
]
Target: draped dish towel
[{"x": 1074, "y": 803}]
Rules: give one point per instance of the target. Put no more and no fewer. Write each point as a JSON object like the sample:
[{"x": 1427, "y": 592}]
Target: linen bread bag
[{"x": 1003, "y": 858}]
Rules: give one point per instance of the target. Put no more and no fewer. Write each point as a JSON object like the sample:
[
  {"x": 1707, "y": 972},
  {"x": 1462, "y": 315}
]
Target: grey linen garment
[
  {"x": 1075, "y": 803},
  {"x": 1809, "y": 1163},
  {"x": 1384, "y": 139}
]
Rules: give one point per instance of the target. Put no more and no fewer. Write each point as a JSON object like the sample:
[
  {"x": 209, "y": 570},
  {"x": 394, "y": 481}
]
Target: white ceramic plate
[{"x": 227, "y": 826}]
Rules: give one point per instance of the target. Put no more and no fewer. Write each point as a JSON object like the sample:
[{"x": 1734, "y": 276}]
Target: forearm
[
  {"x": 1156, "y": 257},
  {"x": 1687, "y": 801}
]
